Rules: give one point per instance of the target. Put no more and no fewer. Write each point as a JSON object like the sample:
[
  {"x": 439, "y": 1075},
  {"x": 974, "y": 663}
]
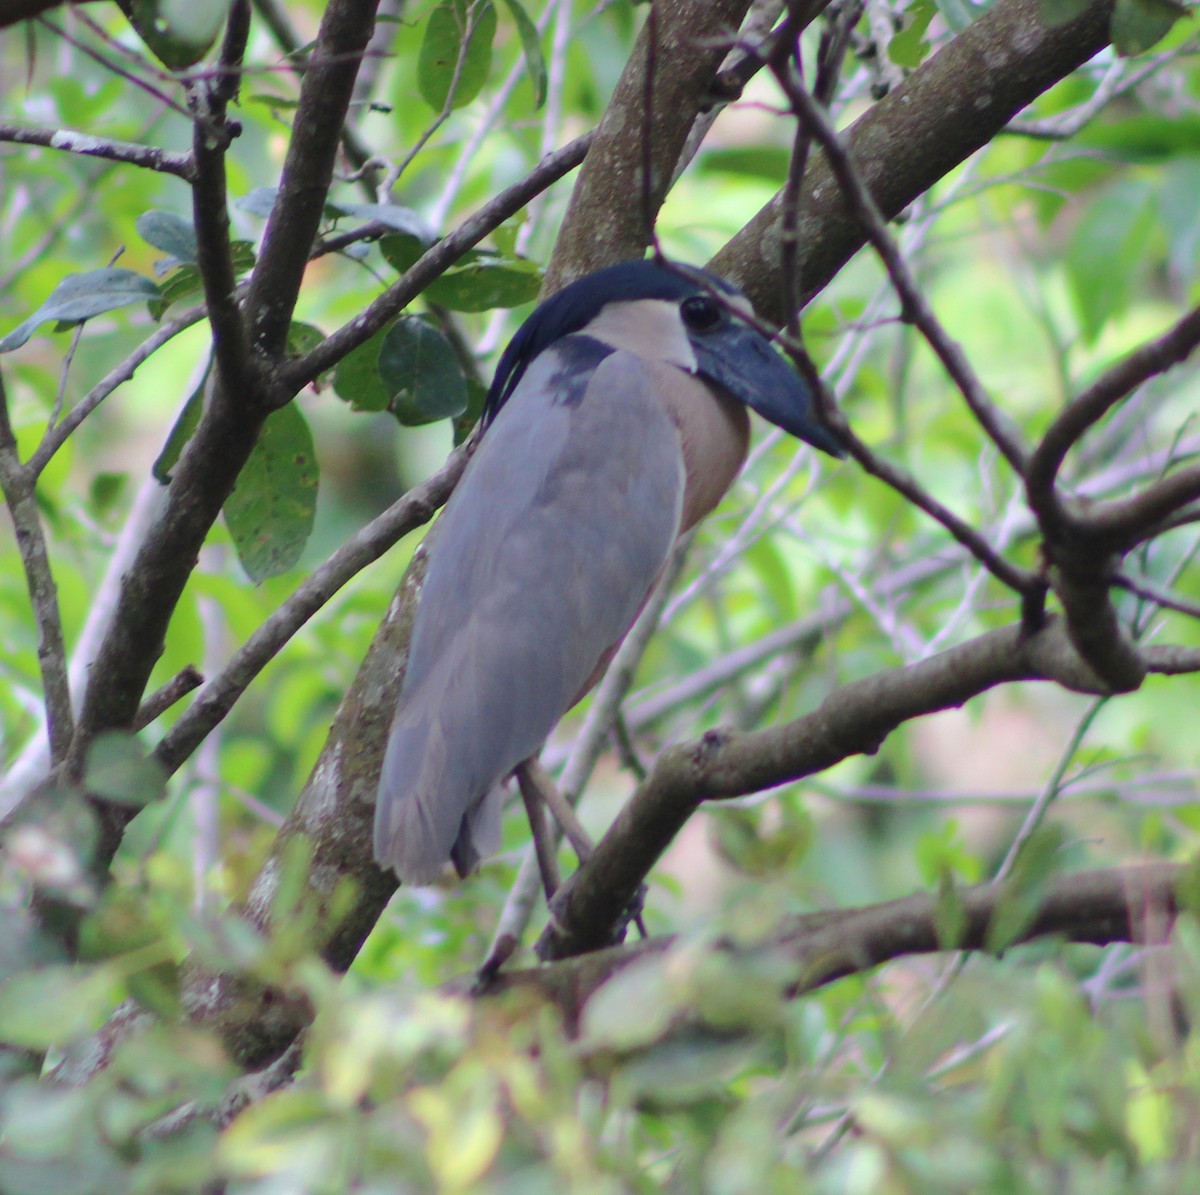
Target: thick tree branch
[
  {"x": 1094, "y": 907},
  {"x": 855, "y": 719},
  {"x": 334, "y": 815},
  {"x": 912, "y": 137},
  {"x": 209, "y": 466},
  {"x": 1084, "y": 543},
  {"x": 605, "y": 220}
]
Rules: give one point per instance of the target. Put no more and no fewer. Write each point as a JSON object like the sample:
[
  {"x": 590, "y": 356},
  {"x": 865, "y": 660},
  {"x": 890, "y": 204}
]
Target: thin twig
[
  {"x": 108, "y": 64},
  {"x": 57, "y": 435},
  {"x": 148, "y": 156},
  {"x": 19, "y": 485},
  {"x": 1088, "y": 408},
  {"x": 211, "y": 136},
  {"x": 218, "y": 697},
  {"x": 435, "y": 261},
  {"x": 161, "y": 700},
  {"x": 915, "y": 307},
  {"x": 1159, "y": 597}
]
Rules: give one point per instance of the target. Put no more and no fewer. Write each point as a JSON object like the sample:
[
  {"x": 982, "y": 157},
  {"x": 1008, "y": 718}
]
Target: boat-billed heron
[{"x": 616, "y": 420}]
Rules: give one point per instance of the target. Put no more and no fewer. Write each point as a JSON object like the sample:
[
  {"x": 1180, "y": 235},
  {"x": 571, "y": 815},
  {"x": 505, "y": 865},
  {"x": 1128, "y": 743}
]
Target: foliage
[{"x": 184, "y": 884}]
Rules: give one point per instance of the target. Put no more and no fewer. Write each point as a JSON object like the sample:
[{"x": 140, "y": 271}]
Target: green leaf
[
  {"x": 1108, "y": 251},
  {"x": 81, "y": 296},
  {"x": 105, "y": 490},
  {"x": 633, "y": 1008},
  {"x": 402, "y": 250},
  {"x": 182, "y": 430},
  {"x": 1139, "y": 24},
  {"x": 302, "y": 338},
  {"x": 56, "y": 1004},
  {"x": 909, "y": 47},
  {"x": 531, "y": 48},
  {"x": 476, "y": 397},
  {"x": 119, "y": 770},
  {"x": 418, "y": 365},
  {"x": 177, "y": 32},
  {"x": 168, "y": 232},
  {"x": 1020, "y": 897},
  {"x": 487, "y": 283},
  {"x": 456, "y": 54},
  {"x": 767, "y": 162},
  {"x": 949, "y": 913},
  {"x": 184, "y": 282},
  {"x": 759, "y": 846},
  {"x": 270, "y": 512},
  {"x": 196, "y": 22},
  {"x": 258, "y": 202},
  {"x": 403, "y": 219},
  {"x": 243, "y": 257},
  {"x": 356, "y": 377},
  {"x": 504, "y": 237},
  {"x": 1177, "y": 210}
]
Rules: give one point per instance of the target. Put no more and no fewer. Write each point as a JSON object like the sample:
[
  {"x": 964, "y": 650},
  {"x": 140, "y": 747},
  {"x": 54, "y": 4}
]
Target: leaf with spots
[
  {"x": 456, "y": 55},
  {"x": 270, "y": 512}
]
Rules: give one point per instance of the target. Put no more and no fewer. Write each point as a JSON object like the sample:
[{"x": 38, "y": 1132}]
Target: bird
[{"x": 616, "y": 420}]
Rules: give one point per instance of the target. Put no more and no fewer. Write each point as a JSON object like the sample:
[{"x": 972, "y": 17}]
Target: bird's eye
[{"x": 701, "y": 313}]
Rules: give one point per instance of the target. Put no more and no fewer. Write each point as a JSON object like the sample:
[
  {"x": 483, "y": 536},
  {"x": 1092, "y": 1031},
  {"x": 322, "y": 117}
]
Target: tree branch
[
  {"x": 434, "y": 262},
  {"x": 913, "y": 137},
  {"x": 685, "y": 44},
  {"x": 413, "y": 510},
  {"x": 325, "y": 94},
  {"x": 18, "y": 483},
  {"x": 1093, "y": 907},
  {"x": 221, "y": 444},
  {"x": 211, "y": 137},
  {"x": 148, "y": 156},
  {"x": 914, "y": 306},
  {"x": 855, "y": 719},
  {"x": 1087, "y": 409}
]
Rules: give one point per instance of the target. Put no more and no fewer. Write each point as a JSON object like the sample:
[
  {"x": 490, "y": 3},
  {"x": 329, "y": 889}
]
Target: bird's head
[{"x": 675, "y": 313}]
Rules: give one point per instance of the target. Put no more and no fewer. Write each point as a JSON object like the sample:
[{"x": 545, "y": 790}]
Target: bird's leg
[
  {"x": 543, "y": 839},
  {"x": 538, "y": 789},
  {"x": 534, "y": 779}
]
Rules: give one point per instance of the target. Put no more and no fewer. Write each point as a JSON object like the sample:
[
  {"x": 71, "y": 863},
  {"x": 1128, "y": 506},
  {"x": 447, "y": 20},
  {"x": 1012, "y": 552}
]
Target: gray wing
[{"x": 542, "y": 559}]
